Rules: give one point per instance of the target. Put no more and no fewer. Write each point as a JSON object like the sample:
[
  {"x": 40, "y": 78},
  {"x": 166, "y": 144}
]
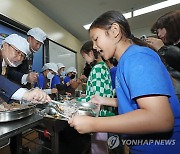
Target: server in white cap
[
  {"x": 61, "y": 70},
  {"x": 45, "y": 78},
  {"x": 58, "y": 80},
  {"x": 36, "y": 38},
  {"x": 22, "y": 73},
  {"x": 13, "y": 51},
  {"x": 71, "y": 73}
]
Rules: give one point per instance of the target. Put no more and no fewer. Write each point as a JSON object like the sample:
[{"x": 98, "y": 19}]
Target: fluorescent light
[
  {"x": 87, "y": 26},
  {"x": 126, "y": 15},
  {"x": 155, "y": 7},
  {"x": 145, "y": 10}
]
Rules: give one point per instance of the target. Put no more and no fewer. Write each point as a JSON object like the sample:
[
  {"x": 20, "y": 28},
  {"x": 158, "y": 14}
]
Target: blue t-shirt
[
  {"x": 113, "y": 75},
  {"x": 140, "y": 72},
  {"x": 55, "y": 81},
  {"x": 41, "y": 81},
  {"x": 66, "y": 80}
]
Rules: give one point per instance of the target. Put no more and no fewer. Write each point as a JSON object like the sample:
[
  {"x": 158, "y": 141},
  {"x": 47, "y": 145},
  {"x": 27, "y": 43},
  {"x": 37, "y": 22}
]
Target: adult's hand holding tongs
[{"x": 36, "y": 95}]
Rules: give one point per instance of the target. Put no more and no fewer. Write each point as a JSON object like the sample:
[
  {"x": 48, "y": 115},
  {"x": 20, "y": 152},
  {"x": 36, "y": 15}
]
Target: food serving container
[
  {"x": 89, "y": 109},
  {"x": 59, "y": 110},
  {"x": 67, "y": 109},
  {"x": 16, "y": 114}
]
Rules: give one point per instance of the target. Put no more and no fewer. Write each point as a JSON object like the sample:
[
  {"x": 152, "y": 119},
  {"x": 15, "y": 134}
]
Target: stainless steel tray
[
  {"x": 11, "y": 115},
  {"x": 60, "y": 110},
  {"x": 85, "y": 108}
]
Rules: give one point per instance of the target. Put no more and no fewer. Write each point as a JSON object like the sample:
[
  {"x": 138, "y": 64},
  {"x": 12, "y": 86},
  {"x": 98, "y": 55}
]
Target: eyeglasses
[{"x": 18, "y": 53}]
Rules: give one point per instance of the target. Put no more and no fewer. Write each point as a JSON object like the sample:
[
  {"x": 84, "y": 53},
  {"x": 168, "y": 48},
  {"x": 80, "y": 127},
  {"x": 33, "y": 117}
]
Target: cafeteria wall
[{"x": 25, "y": 13}]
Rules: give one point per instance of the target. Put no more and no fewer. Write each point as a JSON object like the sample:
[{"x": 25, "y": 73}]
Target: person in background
[
  {"x": 167, "y": 45},
  {"x": 87, "y": 70},
  {"x": 99, "y": 80},
  {"x": 14, "y": 50},
  {"x": 71, "y": 73},
  {"x": 112, "y": 64},
  {"x": 58, "y": 80},
  {"x": 61, "y": 72},
  {"x": 98, "y": 83},
  {"x": 23, "y": 73},
  {"x": 149, "y": 111},
  {"x": 45, "y": 78}
]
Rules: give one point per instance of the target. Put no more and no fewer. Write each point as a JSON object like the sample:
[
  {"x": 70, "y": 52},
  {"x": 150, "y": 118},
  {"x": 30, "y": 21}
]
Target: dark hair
[
  {"x": 87, "y": 48},
  {"x": 171, "y": 22},
  {"x": 87, "y": 70},
  {"x": 113, "y": 61},
  {"x": 108, "y": 18}
]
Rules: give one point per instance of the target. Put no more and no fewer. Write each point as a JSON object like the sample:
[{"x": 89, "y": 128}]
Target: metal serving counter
[
  {"x": 54, "y": 126},
  {"x": 16, "y": 127},
  {"x": 59, "y": 129},
  {"x": 65, "y": 139}
]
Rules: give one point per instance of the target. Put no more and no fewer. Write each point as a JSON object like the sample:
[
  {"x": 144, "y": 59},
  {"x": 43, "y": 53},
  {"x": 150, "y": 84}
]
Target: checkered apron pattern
[{"x": 99, "y": 82}]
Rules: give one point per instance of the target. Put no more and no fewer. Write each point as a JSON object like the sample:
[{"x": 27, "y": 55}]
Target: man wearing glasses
[
  {"x": 13, "y": 51},
  {"x": 23, "y": 73}
]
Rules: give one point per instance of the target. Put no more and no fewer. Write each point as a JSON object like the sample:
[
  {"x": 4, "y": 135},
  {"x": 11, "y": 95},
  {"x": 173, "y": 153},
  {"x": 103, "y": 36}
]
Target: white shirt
[{"x": 20, "y": 92}]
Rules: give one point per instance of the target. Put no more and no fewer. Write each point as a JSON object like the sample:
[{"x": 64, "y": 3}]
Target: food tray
[
  {"x": 57, "y": 110},
  {"x": 11, "y": 115},
  {"x": 15, "y": 112}
]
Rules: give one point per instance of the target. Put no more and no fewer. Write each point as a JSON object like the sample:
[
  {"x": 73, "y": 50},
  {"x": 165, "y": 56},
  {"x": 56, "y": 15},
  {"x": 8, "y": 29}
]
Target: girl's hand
[
  {"x": 83, "y": 124},
  {"x": 98, "y": 100}
]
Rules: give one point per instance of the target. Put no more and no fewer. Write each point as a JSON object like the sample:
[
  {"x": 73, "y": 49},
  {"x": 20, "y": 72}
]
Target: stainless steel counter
[
  {"x": 16, "y": 127},
  {"x": 64, "y": 139}
]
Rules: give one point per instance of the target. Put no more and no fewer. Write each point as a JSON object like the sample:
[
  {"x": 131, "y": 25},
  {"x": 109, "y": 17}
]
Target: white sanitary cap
[
  {"x": 51, "y": 66},
  {"x": 71, "y": 69},
  {"x": 60, "y": 65},
  {"x": 18, "y": 42},
  {"x": 38, "y": 34}
]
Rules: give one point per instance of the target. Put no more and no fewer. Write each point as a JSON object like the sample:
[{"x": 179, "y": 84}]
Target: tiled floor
[
  {"x": 38, "y": 146},
  {"x": 31, "y": 143}
]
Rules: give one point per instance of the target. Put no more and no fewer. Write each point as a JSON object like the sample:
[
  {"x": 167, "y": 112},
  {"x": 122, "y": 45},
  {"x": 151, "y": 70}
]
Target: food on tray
[
  {"x": 67, "y": 110},
  {"x": 60, "y": 110},
  {"x": 13, "y": 106}
]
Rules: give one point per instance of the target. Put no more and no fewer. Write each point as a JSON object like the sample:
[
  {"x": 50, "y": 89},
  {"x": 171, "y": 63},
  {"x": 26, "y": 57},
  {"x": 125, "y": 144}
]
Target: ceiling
[{"x": 73, "y": 14}]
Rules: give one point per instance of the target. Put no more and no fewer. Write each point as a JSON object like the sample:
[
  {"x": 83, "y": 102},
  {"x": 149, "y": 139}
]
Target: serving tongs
[
  {"x": 55, "y": 107},
  {"x": 54, "y": 102},
  {"x": 61, "y": 114}
]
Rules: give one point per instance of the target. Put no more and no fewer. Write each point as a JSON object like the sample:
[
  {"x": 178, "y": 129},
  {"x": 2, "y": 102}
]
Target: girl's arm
[
  {"x": 154, "y": 116},
  {"x": 104, "y": 100}
]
